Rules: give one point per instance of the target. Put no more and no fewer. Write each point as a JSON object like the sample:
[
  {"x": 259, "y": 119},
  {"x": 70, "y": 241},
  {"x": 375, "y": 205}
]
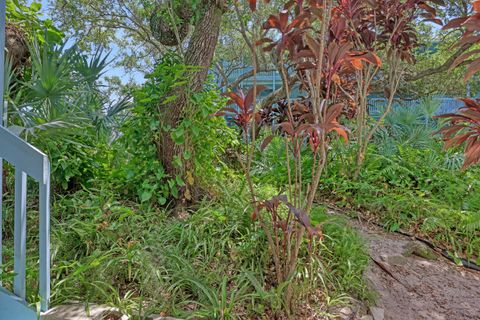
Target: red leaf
[
  {"x": 342, "y": 132},
  {"x": 253, "y": 5},
  {"x": 306, "y": 53},
  {"x": 455, "y": 23},
  {"x": 234, "y": 98},
  {"x": 464, "y": 128},
  {"x": 427, "y": 8},
  {"x": 296, "y": 22},
  {"x": 369, "y": 57},
  {"x": 476, "y": 6},
  {"x": 333, "y": 112},
  {"x": 312, "y": 43},
  {"x": 266, "y": 142},
  {"x": 467, "y": 39},
  {"x": 287, "y": 128},
  {"x": 469, "y": 103},
  {"x": 473, "y": 68},
  {"x": 249, "y": 98},
  {"x": 463, "y": 57},
  {"x": 357, "y": 64},
  {"x": 283, "y": 20},
  {"x": 272, "y": 23}
]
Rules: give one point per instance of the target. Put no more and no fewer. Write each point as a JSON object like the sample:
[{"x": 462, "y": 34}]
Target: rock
[
  {"x": 346, "y": 312},
  {"x": 397, "y": 260},
  {"x": 377, "y": 313},
  {"x": 366, "y": 317},
  {"x": 78, "y": 311},
  {"x": 419, "y": 249}
]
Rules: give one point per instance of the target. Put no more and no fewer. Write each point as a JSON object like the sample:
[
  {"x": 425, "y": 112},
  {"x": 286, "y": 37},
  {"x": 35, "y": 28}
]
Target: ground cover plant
[{"x": 182, "y": 192}]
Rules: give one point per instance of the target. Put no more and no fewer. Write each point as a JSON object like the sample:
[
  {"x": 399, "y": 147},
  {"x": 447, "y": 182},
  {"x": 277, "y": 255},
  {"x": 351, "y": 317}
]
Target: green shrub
[
  {"x": 139, "y": 174},
  {"x": 415, "y": 189},
  {"x": 213, "y": 264}
]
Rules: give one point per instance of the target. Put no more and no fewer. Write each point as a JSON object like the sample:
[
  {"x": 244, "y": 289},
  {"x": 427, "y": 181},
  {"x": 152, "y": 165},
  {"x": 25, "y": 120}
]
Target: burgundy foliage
[
  {"x": 244, "y": 110},
  {"x": 471, "y": 25},
  {"x": 463, "y": 127},
  {"x": 358, "y": 29}
]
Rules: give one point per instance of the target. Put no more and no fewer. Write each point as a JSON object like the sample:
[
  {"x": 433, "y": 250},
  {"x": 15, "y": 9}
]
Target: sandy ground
[{"x": 411, "y": 287}]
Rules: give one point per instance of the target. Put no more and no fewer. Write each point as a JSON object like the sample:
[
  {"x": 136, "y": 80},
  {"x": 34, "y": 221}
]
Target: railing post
[
  {"x": 20, "y": 233},
  {"x": 2, "y": 55},
  {"x": 1, "y": 218},
  {"x": 45, "y": 241},
  {"x": 2, "y": 80}
]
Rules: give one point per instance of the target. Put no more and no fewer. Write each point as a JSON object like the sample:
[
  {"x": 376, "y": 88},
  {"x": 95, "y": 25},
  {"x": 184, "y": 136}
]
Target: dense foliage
[{"x": 242, "y": 227}]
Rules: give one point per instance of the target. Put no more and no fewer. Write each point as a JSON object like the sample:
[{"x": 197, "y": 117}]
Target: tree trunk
[{"x": 199, "y": 53}]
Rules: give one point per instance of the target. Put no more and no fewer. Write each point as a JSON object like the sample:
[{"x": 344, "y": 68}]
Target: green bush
[
  {"x": 213, "y": 264},
  {"x": 139, "y": 174},
  {"x": 415, "y": 189}
]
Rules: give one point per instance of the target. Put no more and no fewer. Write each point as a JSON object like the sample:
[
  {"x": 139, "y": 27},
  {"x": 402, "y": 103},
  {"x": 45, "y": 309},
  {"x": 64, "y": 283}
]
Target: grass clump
[{"x": 213, "y": 264}]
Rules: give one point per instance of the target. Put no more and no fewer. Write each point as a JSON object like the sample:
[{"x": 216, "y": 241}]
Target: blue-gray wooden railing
[{"x": 28, "y": 161}]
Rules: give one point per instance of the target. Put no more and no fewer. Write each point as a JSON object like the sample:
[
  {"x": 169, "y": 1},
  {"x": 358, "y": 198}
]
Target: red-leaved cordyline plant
[
  {"x": 304, "y": 43},
  {"x": 463, "y": 127},
  {"x": 244, "y": 114},
  {"x": 376, "y": 27},
  {"x": 330, "y": 48}
]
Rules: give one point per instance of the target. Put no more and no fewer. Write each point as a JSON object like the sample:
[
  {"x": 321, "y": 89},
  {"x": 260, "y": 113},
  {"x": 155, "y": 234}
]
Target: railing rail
[{"x": 28, "y": 161}]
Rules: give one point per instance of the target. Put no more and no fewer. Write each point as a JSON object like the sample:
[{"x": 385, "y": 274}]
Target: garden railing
[{"x": 28, "y": 162}]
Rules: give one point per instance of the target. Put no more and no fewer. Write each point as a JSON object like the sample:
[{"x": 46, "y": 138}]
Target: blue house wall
[{"x": 273, "y": 81}]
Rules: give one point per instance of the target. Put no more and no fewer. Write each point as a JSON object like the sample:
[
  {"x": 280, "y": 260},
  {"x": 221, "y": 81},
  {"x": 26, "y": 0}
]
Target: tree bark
[{"x": 199, "y": 53}]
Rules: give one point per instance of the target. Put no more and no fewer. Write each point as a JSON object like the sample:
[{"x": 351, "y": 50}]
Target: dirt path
[{"x": 410, "y": 287}]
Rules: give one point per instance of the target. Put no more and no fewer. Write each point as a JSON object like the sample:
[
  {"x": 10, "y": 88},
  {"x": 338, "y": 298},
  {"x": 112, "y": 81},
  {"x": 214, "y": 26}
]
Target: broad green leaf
[
  {"x": 146, "y": 195},
  {"x": 179, "y": 181}
]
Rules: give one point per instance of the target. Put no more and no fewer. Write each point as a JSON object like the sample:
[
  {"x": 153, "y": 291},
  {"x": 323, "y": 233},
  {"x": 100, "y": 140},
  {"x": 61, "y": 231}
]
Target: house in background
[{"x": 273, "y": 81}]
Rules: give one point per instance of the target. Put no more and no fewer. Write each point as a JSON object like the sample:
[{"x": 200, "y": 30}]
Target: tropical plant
[
  {"x": 62, "y": 93},
  {"x": 244, "y": 111},
  {"x": 390, "y": 32},
  {"x": 407, "y": 126},
  {"x": 285, "y": 219},
  {"x": 463, "y": 127},
  {"x": 59, "y": 106},
  {"x": 470, "y": 37}
]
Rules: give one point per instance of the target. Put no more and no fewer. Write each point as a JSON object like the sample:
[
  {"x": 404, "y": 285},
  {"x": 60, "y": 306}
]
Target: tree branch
[
  {"x": 222, "y": 74},
  {"x": 442, "y": 68},
  {"x": 278, "y": 94},
  {"x": 247, "y": 75}
]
